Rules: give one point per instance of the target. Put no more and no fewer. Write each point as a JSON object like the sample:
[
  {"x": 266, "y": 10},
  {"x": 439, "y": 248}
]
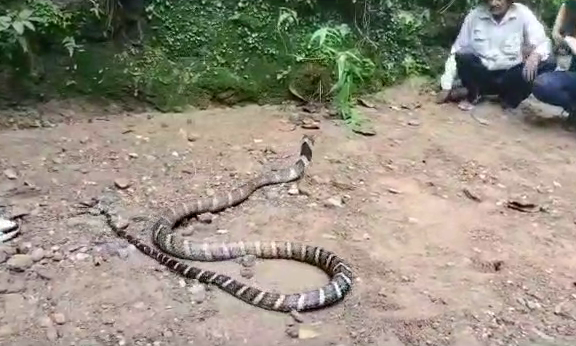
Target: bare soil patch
[{"x": 460, "y": 233}]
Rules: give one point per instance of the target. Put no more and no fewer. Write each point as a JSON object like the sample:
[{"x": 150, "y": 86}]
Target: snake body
[{"x": 169, "y": 242}]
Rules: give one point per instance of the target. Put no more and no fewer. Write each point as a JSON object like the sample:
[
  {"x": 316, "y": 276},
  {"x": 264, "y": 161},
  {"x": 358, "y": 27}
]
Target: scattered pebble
[
  {"x": 293, "y": 190},
  {"x": 413, "y": 122},
  {"x": 302, "y": 331},
  {"x": 222, "y": 231},
  {"x": 122, "y": 223},
  {"x": 81, "y": 256},
  {"x": 193, "y": 137},
  {"x": 210, "y": 192},
  {"x": 122, "y": 183},
  {"x": 334, "y": 202},
  {"x": 10, "y": 174},
  {"x": 59, "y": 318},
  {"x": 248, "y": 261},
  {"x": 198, "y": 293},
  {"x": 37, "y": 254},
  {"x": 57, "y": 257},
  {"x": 20, "y": 262},
  {"x": 247, "y": 273}
]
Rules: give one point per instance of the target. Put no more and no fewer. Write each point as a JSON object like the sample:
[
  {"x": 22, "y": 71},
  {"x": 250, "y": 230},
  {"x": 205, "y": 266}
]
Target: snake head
[{"x": 310, "y": 139}]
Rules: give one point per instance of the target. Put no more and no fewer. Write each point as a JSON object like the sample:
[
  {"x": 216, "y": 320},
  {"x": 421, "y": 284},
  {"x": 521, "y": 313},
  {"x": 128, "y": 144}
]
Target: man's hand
[{"x": 531, "y": 67}]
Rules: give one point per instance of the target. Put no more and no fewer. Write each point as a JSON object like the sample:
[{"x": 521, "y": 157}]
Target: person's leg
[
  {"x": 557, "y": 88},
  {"x": 513, "y": 88},
  {"x": 475, "y": 77}
]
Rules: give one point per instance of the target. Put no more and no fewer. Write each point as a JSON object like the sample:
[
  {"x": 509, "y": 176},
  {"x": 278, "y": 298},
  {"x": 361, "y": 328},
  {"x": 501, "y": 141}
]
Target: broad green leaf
[
  {"x": 24, "y": 14},
  {"x": 19, "y": 27},
  {"x": 29, "y": 25}
]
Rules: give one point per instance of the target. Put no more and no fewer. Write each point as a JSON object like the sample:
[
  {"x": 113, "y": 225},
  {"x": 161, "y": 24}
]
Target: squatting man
[{"x": 500, "y": 49}]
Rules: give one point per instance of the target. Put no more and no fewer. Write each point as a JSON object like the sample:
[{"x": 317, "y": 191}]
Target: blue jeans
[{"x": 557, "y": 88}]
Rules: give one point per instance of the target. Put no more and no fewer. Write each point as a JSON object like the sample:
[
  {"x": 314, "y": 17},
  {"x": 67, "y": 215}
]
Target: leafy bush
[{"x": 231, "y": 51}]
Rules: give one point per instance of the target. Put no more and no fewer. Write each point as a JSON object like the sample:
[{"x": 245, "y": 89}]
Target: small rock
[
  {"x": 302, "y": 332},
  {"x": 193, "y": 137},
  {"x": 168, "y": 334},
  {"x": 413, "y": 122},
  {"x": 81, "y": 256},
  {"x": 37, "y": 254},
  {"x": 248, "y": 261},
  {"x": 210, "y": 192},
  {"x": 57, "y": 257},
  {"x": 292, "y": 331},
  {"x": 122, "y": 223},
  {"x": 293, "y": 190},
  {"x": 20, "y": 262},
  {"x": 59, "y": 318},
  {"x": 334, "y": 202},
  {"x": 10, "y": 174},
  {"x": 133, "y": 155},
  {"x": 247, "y": 273},
  {"x": 222, "y": 231},
  {"x": 205, "y": 218},
  {"x": 533, "y": 305},
  {"x": 122, "y": 183},
  {"x": 198, "y": 292}
]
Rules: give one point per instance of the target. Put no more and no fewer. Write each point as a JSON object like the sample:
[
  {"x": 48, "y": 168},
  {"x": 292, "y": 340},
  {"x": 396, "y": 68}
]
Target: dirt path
[{"x": 420, "y": 210}]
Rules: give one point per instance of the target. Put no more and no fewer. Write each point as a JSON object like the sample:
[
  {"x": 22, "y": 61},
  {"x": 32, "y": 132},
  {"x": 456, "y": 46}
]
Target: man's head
[{"x": 498, "y": 8}]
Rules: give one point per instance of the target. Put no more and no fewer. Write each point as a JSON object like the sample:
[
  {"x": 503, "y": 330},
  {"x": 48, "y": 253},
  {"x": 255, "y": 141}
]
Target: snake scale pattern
[{"x": 171, "y": 243}]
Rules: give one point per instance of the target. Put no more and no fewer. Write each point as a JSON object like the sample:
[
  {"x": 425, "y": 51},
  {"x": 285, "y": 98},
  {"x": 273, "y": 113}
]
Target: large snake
[{"x": 168, "y": 241}]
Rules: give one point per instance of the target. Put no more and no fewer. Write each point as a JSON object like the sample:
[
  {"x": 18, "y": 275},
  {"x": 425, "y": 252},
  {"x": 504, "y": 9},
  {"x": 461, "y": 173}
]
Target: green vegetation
[{"x": 197, "y": 52}]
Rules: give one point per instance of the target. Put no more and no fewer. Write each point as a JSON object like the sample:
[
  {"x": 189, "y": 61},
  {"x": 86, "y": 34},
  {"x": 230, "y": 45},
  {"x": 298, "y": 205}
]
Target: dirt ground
[{"x": 461, "y": 231}]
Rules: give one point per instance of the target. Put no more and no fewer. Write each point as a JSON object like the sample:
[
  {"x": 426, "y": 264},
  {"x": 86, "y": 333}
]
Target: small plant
[
  {"x": 328, "y": 45},
  {"x": 14, "y": 26}
]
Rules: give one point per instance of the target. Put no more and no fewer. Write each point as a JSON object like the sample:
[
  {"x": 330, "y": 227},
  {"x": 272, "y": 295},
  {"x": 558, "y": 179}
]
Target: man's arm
[
  {"x": 536, "y": 35},
  {"x": 462, "y": 42}
]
